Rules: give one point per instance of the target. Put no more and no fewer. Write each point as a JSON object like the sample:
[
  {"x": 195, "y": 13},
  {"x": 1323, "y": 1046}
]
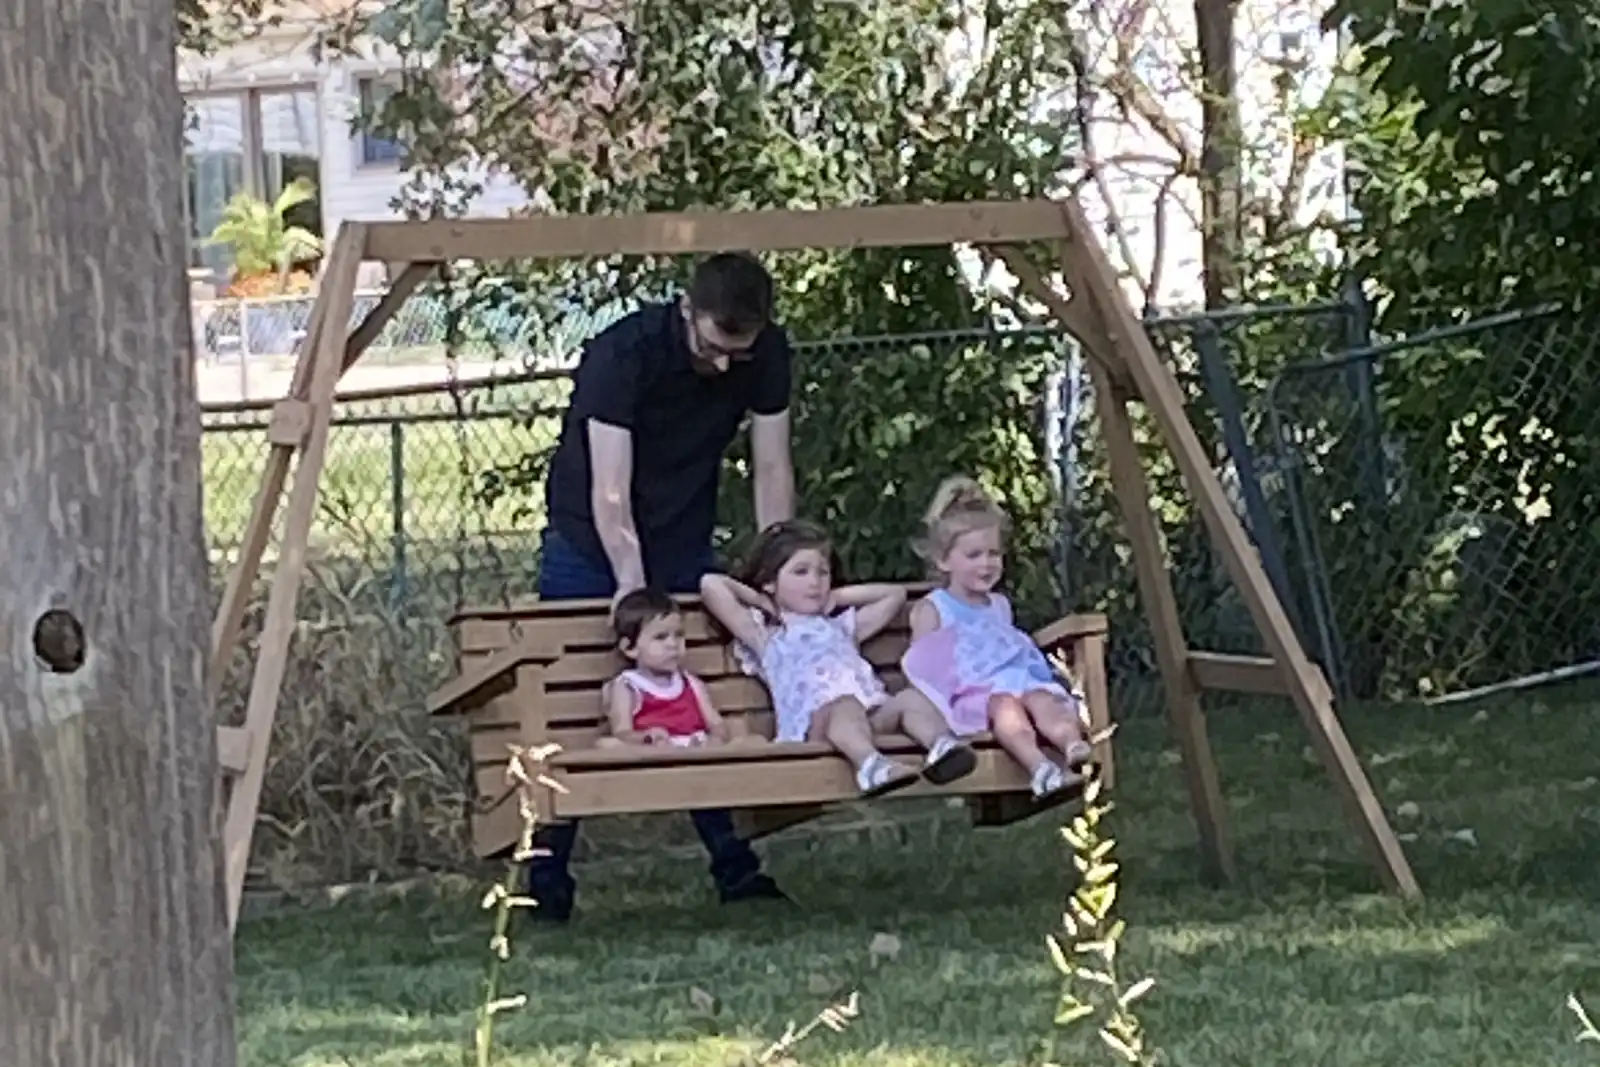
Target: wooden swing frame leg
[
  {"x": 1120, "y": 339},
  {"x": 1109, "y": 377},
  {"x": 300, "y": 423}
]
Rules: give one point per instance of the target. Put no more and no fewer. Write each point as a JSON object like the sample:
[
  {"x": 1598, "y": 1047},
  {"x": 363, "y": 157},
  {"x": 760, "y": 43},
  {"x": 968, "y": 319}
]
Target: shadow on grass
[{"x": 1304, "y": 961}]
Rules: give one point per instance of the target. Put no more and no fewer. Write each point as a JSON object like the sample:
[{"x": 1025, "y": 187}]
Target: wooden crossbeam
[
  {"x": 1226, "y": 673},
  {"x": 681, "y": 233}
]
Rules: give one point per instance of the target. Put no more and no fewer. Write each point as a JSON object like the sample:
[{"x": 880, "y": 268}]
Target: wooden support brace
[
  {"x": 1226, "y": 673},
  {"x": 400, "y": 290},
  {"x": 1077, "y": 315},
  {"x": 277, "y": 633},
  {"x": 233, "y": 748},
  {"x": 289, "y": 424},
  {"x": 1159, "y": 389},
  {"x": 1166, "y": 627}
]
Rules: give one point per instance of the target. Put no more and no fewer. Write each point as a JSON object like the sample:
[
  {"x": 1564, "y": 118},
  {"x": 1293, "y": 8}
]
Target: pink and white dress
[
  {"x": 809, "y": 662},
  {"x": 976, "y": 653}
]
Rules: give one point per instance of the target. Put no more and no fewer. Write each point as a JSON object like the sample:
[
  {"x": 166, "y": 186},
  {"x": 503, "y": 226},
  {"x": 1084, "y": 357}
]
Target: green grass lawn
[{"x": 1302, "y": 963}]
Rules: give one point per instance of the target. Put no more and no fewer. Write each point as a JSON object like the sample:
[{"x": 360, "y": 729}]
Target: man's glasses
[{"x": 706, "y": 348}]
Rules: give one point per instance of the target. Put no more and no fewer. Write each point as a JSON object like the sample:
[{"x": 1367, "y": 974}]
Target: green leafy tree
[
  {"x": 1475, "y": 193},
  {"x": 662, "y": 105},
  {"x": 1478, "y": 187}
]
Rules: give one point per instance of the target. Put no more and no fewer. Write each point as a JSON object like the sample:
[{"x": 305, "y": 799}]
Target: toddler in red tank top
[{"x": 655, "y": 701}]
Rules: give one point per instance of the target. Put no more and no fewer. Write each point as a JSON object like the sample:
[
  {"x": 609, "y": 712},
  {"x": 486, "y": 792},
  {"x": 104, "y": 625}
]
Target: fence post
[
  {"x": 1365, "y": 649},
  {"x": 1361, "y": 376},
  {"x": 1224, "y": 392},
  {"x": 397, "y": 503}
]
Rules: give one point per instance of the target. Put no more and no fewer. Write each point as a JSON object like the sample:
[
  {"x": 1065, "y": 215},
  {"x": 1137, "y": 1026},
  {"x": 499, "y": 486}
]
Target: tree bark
[
  {"x": 114, "y": 947},
  {"x": 1221, "y": 150}
]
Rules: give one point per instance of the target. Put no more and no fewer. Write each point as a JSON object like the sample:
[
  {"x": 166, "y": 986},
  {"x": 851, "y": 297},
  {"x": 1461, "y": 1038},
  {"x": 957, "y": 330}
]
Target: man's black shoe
[
  {"x": 551, "y": 913},
  {"x": 757, "y": 887}
]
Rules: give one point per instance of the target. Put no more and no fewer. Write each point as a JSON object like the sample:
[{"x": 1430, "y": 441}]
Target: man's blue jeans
[{"x": 565, "y": 574}]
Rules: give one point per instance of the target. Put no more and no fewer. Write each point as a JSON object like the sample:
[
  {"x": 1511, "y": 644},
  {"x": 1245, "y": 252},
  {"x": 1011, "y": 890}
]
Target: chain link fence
[
  {"x": 1426, "y": 507},
  {"x": 432, "y": 499},
  {"x": 1458, "y": 554}
]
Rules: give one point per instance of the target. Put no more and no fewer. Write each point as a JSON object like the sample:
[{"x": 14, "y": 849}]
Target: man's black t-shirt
[{"x": 639, "y": 375}]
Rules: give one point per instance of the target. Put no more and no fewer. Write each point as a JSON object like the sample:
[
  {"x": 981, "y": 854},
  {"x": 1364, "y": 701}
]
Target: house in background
[{"x": 263, "y": 113}]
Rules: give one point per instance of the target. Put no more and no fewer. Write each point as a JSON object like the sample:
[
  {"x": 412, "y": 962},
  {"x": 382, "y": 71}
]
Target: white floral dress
[{"x": 809, "y": 662}]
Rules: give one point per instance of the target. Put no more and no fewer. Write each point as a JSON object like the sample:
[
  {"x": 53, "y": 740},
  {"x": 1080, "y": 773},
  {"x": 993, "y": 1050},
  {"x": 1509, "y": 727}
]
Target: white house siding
[{"x": 349, "y": 189}]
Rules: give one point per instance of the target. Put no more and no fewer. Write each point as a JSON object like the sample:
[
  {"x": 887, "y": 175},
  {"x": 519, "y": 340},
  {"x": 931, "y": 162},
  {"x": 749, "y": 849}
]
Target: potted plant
[{"x": 265, "y": 247}]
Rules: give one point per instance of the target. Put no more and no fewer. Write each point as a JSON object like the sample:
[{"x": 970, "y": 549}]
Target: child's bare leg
[
  {"x": 844, "y": 725},
  {"x": 1013, "y": 729},
  {"x": 948, "y": 757},
  {"x": 1057, "y": 722}
]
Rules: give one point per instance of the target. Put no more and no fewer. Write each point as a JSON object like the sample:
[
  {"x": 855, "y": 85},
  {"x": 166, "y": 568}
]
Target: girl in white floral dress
[{"x": 802, "y": 638}]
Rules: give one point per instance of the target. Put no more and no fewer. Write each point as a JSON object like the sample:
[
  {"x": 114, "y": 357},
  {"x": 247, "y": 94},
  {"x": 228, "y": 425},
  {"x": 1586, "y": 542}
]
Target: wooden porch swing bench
[{"x": 531, "y": 674}]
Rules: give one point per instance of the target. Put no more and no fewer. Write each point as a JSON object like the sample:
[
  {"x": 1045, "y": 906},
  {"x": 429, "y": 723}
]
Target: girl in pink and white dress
[
  {"x": 968, "y": 657},
  {"x": 802, "y": 636}
]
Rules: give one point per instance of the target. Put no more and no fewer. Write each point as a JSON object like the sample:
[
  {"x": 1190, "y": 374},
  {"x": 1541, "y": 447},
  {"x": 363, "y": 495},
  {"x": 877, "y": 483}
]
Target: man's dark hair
[
  {"x": 638, "y": 609},
  {"x": 734, "y": 290}
]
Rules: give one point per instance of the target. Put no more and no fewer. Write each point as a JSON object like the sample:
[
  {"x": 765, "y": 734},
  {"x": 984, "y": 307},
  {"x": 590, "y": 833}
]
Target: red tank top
[{"x": 673, "y": 708}]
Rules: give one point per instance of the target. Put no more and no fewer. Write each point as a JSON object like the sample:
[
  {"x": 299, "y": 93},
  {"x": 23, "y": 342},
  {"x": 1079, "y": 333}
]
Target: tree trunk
[
  {"x": 1221, "y": 180},
  {"x": 114, "y": 948}
]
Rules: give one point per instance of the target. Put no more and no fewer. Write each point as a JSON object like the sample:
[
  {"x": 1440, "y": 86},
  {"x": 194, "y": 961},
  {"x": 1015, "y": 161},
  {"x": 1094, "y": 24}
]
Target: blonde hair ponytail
[
  {"x": 959, "y": 506},
  {"x": 956, "y": 493}
]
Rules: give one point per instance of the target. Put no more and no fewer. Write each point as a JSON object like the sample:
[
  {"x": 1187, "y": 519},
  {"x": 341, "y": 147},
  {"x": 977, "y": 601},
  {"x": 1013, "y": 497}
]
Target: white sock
[
  {"x": 876, "y": 770},
  {"x": 1047, "y": 779},
  {"x": 940, "y": 749}
]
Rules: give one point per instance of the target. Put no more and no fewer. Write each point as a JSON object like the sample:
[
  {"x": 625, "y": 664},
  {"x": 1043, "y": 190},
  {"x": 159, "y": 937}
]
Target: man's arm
[
  {"x": 770, "y": 433},
  {"x": 611, "y": 498},
  {"x": 774, "y": 468}
]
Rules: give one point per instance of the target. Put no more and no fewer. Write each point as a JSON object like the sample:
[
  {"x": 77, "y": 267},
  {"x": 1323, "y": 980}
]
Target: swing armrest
[
  {"x": 494, "y": 677},
  {"x": 1068, "y": 630}
]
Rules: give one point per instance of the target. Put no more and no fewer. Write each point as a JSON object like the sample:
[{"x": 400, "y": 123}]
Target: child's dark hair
[
  {"x": 777, "y": 544},
  {"x": 637, "y": 610}
]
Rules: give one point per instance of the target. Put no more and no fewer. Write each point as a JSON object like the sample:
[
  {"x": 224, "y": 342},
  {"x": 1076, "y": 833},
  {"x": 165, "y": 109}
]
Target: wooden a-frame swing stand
[{"x": 1123, "y": 364}]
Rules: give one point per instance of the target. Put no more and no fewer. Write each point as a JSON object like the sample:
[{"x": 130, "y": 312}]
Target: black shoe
[
  {"x": 756, "y": 887},
  {"x": 555, "y": 911},
  {"x": 957, "y": 762}
]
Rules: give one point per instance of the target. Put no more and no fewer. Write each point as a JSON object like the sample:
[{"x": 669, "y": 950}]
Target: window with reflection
[{"x": 255, "y": 141}]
